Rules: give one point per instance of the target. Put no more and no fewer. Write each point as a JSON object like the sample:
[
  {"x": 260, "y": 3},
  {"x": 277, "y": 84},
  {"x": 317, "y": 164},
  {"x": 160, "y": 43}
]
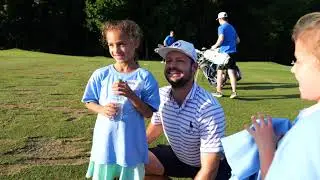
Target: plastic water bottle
[{"x": 119, "y": 100}]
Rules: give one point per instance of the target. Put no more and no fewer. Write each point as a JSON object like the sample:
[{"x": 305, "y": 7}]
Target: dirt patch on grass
[
  {"x": 11, "y": 169},
  {"x": 44, "y": 151},
  {"x": 16, "y": 106},
  {"x": 37, "y": 147},
  {"x": 6, "y": 170}
]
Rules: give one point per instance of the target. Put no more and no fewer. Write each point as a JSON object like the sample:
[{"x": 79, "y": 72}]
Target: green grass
[{"x": 46, "y": 131}]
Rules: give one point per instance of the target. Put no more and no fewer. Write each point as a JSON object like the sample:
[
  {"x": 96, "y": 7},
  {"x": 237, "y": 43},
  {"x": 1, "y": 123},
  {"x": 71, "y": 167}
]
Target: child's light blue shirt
[
  {"x": 121, "y": 142},
  {"x": 242, "y": 152},
  {"x": 298, "y": 153}
]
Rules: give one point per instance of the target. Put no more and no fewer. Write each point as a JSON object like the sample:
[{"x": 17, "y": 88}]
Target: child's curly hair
[
  {"x": 307, "y": 30},
  {"x": 129, "y": 27}
]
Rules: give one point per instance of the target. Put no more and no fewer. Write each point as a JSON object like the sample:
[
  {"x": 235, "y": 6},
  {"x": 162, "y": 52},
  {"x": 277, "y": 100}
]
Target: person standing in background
[
  {"x": 169, "y": 39},
  {"x": 227, "y": 43}
]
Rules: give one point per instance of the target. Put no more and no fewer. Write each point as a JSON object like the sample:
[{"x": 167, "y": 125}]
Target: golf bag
[
  {"x": 158, "y": 46},
  {"x": 209, "y": 60}
]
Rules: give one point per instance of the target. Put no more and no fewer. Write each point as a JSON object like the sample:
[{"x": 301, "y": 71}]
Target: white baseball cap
[
  {"x": 222, "y": 15},
  {"x": 181, "y": 46}
]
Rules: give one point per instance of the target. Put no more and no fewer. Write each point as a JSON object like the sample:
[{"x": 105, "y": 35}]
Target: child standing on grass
[
  {"x": 298, "y": 153},
  {"x": 119, "y": 146}
]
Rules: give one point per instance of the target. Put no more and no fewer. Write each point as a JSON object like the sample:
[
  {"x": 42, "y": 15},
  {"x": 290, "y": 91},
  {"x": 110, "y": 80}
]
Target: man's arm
[
  {"x": 153, "y": 132},
  {"x": 209, "y": 166},
  {"x": 219, "y": 41},
  {"x": 213, "y": 130},
  {"x": 165, "y": 41}
]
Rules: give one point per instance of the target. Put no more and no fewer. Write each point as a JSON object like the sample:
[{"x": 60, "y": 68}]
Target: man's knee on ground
[{"x": 154, "y": 167}]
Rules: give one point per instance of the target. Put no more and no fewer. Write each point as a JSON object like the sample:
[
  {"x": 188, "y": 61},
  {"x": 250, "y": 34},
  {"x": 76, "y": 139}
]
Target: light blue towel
[{"x": 242, "y": 153}]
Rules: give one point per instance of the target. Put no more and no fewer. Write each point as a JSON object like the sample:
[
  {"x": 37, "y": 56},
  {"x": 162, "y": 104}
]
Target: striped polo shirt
[{"x": 195, "y": 127}]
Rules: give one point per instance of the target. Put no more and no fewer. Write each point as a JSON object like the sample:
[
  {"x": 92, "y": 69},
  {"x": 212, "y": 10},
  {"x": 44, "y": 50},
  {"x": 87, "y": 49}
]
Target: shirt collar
[
  {"x": 190, "y": 95},
  {"x": 307, "y": 111}
]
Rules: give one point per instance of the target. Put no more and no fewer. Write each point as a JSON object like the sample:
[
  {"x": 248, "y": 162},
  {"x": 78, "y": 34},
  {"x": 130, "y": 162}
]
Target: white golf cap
[
  {"x": 181, "y": 46},
  {"x": 222, "y": 15}
]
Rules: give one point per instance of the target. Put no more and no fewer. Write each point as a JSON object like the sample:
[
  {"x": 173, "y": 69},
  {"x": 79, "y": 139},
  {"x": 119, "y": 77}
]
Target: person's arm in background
[
  {"x": 219, "y": 41},
  {"x": 165, "y": 41},
  {"x": 238, "y": 39},
  {"x": 221, "y": 33},
  {"x": 209, "y": 166}
]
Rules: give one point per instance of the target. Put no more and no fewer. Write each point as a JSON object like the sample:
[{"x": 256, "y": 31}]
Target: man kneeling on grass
[{"x": 192, "y": 120}]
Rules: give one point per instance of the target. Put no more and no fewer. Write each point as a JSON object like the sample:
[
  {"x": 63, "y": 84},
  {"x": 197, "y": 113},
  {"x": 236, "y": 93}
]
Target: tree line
[{"x": 73, "y": 26}]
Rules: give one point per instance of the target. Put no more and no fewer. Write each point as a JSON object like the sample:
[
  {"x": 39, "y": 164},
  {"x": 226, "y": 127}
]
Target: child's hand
[
  {"x": 122, "y": 88},
  {"x": 110, "y": 110},
  {"x": 266, "y": 141},
  {"x": 263, "y": 134}
]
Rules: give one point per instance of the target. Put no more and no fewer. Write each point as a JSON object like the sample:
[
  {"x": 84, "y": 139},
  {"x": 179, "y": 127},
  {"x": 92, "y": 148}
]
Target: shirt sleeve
[
  {"x": 92, "y": 91},
  {"x": 221, "y": 30},
  {"x": 212, "y": 129},
  {"x": 165, "y": 42},
  {"x": 150, "y": 93},
  {"x": 155, "y": 119}
]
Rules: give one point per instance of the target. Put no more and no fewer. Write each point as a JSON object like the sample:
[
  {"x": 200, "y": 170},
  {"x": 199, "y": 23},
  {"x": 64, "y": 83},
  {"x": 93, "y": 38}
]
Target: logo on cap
[
  {"x": 176, "y": 44},
  {"x": 222, "y": 15}
]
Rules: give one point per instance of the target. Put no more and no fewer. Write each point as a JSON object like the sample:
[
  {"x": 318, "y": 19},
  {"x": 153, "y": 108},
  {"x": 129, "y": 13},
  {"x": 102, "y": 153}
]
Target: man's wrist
[{"x": 204, "y": 175}]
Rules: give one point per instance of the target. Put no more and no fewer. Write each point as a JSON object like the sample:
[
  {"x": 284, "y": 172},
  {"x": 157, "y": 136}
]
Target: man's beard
[{"x": 180, "y": 82}]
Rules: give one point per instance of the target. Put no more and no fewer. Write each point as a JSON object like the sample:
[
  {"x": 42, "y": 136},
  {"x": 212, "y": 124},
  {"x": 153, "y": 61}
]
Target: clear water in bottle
[{"x": 119, "y": 100}]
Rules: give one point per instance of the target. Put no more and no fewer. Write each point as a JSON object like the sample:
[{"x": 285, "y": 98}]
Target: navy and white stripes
[{"x": 195, "y": 127}]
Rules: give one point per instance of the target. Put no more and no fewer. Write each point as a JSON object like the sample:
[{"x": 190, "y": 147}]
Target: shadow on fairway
[
  {"x": 265, "y": 86},
  {"x": 264, "y": 97}
]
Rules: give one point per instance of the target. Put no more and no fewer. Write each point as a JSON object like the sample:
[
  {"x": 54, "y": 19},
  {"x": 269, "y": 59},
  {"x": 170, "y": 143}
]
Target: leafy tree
[
  {"x": 73, "y": 26},
  {"x": 98, "y": 11}
]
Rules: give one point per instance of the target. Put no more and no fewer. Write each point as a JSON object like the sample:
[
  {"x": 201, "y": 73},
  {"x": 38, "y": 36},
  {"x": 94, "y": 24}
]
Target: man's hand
[
  {"x": 219, "y": 42},
  {"x": 213, "y": 47}
]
